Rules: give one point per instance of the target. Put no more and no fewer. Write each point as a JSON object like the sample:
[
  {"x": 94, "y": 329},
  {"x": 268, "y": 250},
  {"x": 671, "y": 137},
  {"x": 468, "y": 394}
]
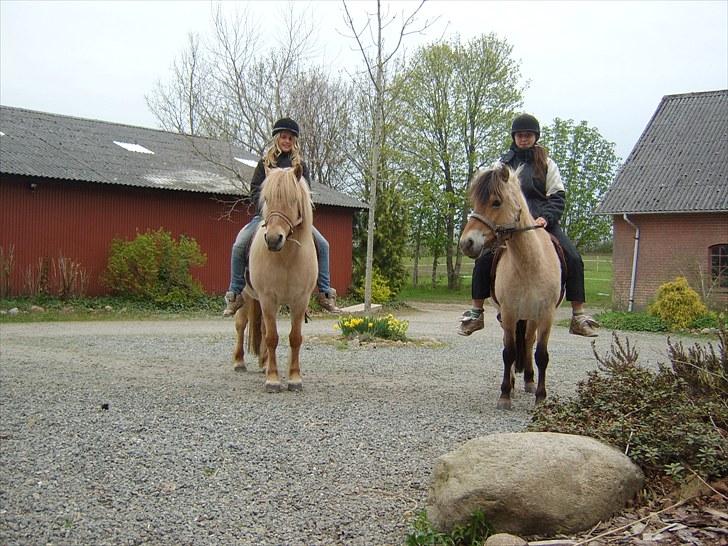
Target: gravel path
[{"x": 141, "y": 432}]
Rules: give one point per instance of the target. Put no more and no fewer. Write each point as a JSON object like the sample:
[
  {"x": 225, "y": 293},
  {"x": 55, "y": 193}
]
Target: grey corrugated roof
[
  {"x": 680, "y": 163},
  {"x": 69, "y": 148}
]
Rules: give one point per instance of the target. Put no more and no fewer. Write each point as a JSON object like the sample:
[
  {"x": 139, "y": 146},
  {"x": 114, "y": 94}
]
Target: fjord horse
[
  {"x": 282, "y": 269},
  {"x": 527, "y": 286}
]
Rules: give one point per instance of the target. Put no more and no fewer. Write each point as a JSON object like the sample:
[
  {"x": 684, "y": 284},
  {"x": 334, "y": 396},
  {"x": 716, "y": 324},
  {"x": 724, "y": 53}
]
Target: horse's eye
[{"x": 496, "y": 204}]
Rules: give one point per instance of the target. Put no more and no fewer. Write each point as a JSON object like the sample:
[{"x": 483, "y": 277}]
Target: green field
[{"x": 597, "y": 281}]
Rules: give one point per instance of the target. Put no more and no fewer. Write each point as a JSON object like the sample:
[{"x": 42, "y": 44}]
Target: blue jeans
[{"x": 239, "y": 258}]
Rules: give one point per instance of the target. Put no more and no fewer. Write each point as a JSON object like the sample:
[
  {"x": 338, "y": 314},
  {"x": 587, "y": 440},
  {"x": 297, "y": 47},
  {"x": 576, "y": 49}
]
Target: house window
[{"x": 719, "y": 265}]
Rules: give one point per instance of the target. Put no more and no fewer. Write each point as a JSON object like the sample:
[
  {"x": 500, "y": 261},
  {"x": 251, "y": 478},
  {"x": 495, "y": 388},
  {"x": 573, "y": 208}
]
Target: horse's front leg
[
  {"x": 295, "y": 339},
  {"x": 529, "y": 339},
  {"x": 241, "y": 321},
  {"x": 272, "y": 381},
  {"x": 542, "y": 362},
  {"x": 509, "y": 358}
]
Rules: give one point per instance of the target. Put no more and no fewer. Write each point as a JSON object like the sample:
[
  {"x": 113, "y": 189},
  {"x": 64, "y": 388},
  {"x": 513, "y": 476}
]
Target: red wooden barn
[
  {"x": 669, "y": 203},
  {"x": 69, "y": 186}
]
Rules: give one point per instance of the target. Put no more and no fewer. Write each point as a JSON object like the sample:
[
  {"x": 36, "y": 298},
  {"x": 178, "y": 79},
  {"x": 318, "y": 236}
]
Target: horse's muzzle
[
  {"x": 472, "y": 246},
  {"x": 275, "y": 242}
]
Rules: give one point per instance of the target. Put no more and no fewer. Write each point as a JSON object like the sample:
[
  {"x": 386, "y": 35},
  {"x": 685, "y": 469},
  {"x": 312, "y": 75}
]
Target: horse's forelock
[
  {"x": 282, "y": 187},
  {"x": 483, "y": 185}
]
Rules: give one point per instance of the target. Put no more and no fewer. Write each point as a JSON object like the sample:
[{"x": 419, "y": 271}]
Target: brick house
[
  {"x": 69, "y": 186},
  {"x": 669, "y": 203}
]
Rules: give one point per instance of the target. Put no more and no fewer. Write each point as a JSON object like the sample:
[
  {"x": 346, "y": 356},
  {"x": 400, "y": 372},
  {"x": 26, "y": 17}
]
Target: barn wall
[
  {"x": 78, "y": 220},
  {"x": 670, "y": 246}
]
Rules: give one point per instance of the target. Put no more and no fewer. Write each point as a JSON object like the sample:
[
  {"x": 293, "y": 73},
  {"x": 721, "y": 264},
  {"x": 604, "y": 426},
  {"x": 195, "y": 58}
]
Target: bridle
[
  {"x": 291, "y": 225},
  {"x": 503, "y": 232}
]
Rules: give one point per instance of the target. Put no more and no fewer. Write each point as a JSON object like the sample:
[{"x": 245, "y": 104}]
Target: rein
[{"x": 291, "y": 225}]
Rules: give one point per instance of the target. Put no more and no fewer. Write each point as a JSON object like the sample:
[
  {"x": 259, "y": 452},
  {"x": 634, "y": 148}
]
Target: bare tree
[
  {"x": 233, "y": 87},
  {"x": 376, "y": 58}
]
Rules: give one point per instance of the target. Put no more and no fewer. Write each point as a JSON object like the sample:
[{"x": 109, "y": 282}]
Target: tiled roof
[
  {"x": 680, "y": 163},
  {"x": 69, "y": 148}
]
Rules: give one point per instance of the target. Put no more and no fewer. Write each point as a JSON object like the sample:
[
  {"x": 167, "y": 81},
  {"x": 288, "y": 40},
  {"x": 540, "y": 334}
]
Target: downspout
[{"x": 633, "y": 280}]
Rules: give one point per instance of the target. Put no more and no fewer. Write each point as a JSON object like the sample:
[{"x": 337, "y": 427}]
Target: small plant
[
  {"x": 7, "y": 265},
  {"x": 473, "y": 533},
  {"x": 386, "y": 327},
  {"x": 36, "y": 279},
  {"x": 677, "y": 304},
  {"x": 69, "y": 279}
]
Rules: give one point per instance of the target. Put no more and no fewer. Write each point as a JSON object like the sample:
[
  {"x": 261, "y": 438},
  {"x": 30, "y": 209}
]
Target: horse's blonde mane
[{"x": 283, "y": 189}]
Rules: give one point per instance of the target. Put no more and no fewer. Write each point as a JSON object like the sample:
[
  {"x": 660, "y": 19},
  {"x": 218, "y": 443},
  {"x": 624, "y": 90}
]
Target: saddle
[{"x": 498, "y": 253}]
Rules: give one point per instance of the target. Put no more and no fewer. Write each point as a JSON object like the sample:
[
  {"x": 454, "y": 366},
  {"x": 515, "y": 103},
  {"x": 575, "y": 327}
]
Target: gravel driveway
[{"x": 142, "y": 433}]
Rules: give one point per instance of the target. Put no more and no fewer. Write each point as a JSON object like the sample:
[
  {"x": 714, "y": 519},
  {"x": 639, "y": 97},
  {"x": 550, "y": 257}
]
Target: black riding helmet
[
  {"x": 526, "y": 123},
  {"x": 285, "y": 124}
]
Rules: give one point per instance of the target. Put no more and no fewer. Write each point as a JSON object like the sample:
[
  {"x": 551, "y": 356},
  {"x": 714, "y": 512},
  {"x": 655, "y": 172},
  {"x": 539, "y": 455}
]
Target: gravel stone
[{"x": 142, "y": 433}]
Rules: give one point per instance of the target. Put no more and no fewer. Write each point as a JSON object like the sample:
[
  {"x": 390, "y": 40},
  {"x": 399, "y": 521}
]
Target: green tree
[
  {"x": 587, "y": 164},
  {"x": 459, "y": 99}
]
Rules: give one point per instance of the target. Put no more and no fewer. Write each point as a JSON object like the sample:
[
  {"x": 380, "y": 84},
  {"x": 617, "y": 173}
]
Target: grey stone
[{"x": 532, "y": 483}]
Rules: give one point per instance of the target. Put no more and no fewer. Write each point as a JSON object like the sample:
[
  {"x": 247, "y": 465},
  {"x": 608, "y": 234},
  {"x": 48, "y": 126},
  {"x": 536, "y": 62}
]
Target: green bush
[
  {"x": 677, "y": 304},
  {"x": 380, "y": 288},
  {"x": 635, "y": 322},
  {"x": 154, "y": 266},
  {"x": 472, "y": 533},
  {"x": 667, "y": 421}
]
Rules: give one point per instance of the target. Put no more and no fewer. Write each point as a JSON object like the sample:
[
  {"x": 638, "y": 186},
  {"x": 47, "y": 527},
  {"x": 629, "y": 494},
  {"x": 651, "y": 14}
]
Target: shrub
[
  {"x": 380, "y": 288},
  {"x": 677, "y": 304},
  {"x": 155, "y": 266},
  {"x": 636, "y": 322},
  {"x": 667, "y": 422},
  {"x": 386, "y": 327}
]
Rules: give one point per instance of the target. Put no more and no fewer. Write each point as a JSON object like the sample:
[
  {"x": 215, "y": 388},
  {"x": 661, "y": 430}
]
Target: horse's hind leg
[
  {"x": 542, "y": 362},
  {"x": 295, "y": 383}
]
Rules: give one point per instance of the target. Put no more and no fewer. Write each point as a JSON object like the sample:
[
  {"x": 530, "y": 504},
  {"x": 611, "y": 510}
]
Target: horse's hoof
[
  {"x": 239, "y": 367},
  {"x": 272, "y": 387},
  {"x": 504, "y": 403},
  {"x": 295, "y": 387},
  {"x": 530, "y": 387}
]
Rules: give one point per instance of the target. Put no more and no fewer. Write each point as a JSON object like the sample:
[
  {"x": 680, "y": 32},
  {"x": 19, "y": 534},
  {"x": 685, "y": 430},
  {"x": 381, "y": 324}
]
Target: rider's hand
[{"x": 541, "y": 221}]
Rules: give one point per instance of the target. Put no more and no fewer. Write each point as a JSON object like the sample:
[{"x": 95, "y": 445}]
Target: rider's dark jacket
[{"x": 546, "y": 198}]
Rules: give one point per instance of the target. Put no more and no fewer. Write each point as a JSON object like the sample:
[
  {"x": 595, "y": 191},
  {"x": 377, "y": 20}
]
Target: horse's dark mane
[{"x": 483, "y": 185}]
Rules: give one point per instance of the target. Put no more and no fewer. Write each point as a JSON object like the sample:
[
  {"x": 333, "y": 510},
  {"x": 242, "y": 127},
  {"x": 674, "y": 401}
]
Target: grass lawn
[{"x": 597, "y": 281}]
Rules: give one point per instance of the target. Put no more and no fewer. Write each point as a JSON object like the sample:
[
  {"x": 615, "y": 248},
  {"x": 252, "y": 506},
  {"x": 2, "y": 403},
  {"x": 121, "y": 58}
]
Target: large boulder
[{"x": 532, "y": 483}]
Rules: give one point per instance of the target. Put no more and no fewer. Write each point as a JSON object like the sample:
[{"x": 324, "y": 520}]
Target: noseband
[{"x": 287, "y": 220}]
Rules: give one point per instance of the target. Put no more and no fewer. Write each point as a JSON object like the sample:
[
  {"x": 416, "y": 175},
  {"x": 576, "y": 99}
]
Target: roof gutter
[{"x": 635, "y": 254}]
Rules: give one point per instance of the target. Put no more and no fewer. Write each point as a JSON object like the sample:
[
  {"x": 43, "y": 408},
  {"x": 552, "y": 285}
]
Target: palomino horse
[
  {"x": 282, "y": 269},
  {"x": 527, "y": 287}
]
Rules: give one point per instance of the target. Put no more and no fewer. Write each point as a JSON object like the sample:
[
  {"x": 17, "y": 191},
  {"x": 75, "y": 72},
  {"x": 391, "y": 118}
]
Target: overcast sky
[{"x": 607, "y": 62}]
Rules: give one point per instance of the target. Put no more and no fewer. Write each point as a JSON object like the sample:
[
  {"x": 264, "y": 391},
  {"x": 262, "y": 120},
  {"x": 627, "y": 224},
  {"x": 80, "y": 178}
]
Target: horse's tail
[
  {"x": 521, "y": 349},
  {"x": 255, "y": 330}
]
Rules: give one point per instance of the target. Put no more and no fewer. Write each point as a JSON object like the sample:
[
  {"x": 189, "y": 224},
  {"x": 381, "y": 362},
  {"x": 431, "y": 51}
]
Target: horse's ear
[
  {"x": 504, "y": 172},
  {"x": 298, "y": 171}
]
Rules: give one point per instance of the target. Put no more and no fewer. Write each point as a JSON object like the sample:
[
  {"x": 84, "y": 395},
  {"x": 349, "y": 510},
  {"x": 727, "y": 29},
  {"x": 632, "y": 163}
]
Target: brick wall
[{"x": 670, "y": 246}]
